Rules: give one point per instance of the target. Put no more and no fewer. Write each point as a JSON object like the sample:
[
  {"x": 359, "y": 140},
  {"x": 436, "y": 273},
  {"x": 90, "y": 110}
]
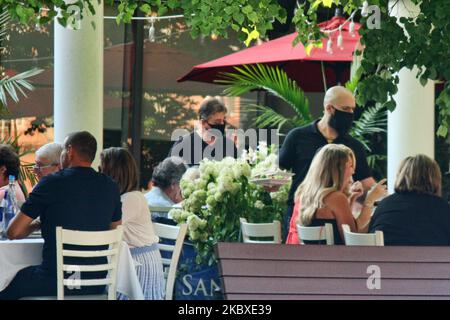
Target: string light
[
  {"x": 365, "y": 9},
  {"x": 340, "y": 40},
  {"x": 351, "y": 28},
  {"x": 330, "y": 46},
  {"x": 155, "y": 18},
  {"x": 151, "y": 30}
]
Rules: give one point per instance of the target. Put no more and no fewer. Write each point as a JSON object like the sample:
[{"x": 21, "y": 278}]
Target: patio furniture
[
  {"x": 110, "y": 238},
  {"x": 177, "y": 234},
  {"x": 18, "y": 254},
  {"x": 290, "y": 272},
  {"x": 250, "y": 231},
  {"x": 321, "y": 233},
  {"x": 362, "y": 239}
]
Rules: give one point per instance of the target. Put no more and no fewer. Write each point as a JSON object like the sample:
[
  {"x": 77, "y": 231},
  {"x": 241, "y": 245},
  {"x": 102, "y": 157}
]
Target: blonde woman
[
  {"x": 326, "y": 195},
  {"x": 119, "y": 164},
  {"x": 415, "y": 214}
]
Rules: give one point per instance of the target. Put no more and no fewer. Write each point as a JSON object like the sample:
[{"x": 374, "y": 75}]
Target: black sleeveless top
[{"x": 321, "y": 222}]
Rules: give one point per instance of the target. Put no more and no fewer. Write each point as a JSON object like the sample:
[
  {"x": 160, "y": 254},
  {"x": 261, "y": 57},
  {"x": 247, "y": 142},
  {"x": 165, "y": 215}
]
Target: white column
[
  {"x": 411, "y": 126},
  {"x": 78, "y": 81}
]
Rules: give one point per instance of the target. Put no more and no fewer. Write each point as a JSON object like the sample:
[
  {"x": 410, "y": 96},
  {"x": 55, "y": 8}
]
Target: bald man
[{"x": 301, "y": 144}]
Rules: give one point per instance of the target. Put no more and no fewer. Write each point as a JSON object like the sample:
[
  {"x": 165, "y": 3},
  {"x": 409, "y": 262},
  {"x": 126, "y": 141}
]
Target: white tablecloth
[{"x": 18, "y": 254}]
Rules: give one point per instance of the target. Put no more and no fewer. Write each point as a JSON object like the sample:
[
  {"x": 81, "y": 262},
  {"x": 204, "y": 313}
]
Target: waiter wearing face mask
[
  {"x": 209, "y": 138},
  {"x": 301, "y": 144}
]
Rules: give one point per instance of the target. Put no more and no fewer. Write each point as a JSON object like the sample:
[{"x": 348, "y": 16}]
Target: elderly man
[
  {"x": 48, "y": 159},
  {"x": 77, "y": 198},
  {"x": 302, "y": 143}
]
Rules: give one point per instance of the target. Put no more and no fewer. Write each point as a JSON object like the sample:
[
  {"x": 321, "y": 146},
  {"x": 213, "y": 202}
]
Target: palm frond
[
  {"x": 377, "y": 162},
  {"x": 10, "y": 85},
  {"x": 372, "y": 120},
  {"x": 267, "y": 117},
  {"x": 272, "y": 79}
]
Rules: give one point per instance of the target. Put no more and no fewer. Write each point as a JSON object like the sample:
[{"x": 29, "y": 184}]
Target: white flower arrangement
[{"x": 218, "y": 193}]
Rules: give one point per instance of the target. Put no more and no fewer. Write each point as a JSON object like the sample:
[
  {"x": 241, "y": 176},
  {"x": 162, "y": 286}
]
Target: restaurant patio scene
[{"x": 224, "y": 150}]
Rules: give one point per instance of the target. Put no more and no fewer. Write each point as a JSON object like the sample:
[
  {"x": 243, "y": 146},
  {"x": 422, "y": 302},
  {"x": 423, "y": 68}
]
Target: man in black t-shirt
[
  {"x": 301, "y": 144},
  {"x": 76, "y": 198},
  {"x": 209, "y": 139}
]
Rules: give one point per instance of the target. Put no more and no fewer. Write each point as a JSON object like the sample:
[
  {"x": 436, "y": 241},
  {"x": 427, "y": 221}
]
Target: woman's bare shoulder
[{"x": 335, "y": 198}]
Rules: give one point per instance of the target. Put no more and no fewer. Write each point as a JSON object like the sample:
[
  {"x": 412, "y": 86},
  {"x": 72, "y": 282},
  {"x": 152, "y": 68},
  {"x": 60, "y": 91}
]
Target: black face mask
[
  {"x": 341, "y": 121},
  {"x": 220, "y": 127}
]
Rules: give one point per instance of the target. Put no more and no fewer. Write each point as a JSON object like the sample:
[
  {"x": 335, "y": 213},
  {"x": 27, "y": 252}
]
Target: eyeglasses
[{"x": 38, "y": 167}]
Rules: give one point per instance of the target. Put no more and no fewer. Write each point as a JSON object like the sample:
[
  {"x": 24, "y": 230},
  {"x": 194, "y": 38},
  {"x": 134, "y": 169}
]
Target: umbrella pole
[{"x": 323, "y": 77}]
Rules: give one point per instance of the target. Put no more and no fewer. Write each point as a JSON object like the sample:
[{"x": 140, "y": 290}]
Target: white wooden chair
[
  {"x": 176, "y": 233},
  {"x": 320, "y": 233},
  {"x": 111, "y": 238},
  {"x": 362, "y": 239},
  {"x": 160, "y": 209},
  {"x": 260, "y": 230}
]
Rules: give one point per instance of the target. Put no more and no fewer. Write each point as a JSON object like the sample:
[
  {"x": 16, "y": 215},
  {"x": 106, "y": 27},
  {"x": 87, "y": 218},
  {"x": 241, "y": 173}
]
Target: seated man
[{"x": 76, "y": 198}]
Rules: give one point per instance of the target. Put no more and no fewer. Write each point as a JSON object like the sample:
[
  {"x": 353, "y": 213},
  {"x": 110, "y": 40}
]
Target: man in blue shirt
[{"x": 76, "y": 198}]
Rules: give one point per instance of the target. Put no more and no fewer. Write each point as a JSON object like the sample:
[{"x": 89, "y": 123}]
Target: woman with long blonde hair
[{"x": 326, "y": 194}]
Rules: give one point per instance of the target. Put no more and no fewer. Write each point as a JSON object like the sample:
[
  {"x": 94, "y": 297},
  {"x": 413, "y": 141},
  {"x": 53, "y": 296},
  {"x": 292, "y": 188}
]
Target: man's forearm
[
  {"x": 35, "y": 225},
  {"x": 22, "y": 228}
]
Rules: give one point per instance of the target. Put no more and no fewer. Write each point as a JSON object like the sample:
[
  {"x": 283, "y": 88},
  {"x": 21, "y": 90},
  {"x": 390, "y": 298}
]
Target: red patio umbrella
[{"x": 304, "y": 69}]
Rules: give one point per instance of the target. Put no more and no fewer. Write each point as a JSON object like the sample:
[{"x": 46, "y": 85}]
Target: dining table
[{"x": 18, "y": 254}]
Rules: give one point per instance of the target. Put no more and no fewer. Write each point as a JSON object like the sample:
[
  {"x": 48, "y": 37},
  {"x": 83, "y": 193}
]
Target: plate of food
[{"x": 272, "y": 178}]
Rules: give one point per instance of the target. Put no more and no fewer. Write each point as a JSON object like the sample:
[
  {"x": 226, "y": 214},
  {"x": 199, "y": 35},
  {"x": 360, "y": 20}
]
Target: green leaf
[
  {"x": 172, "y": 4},
  {"x": 253, "y": 17},
  {"x": 442, "y": 131},
  {"x": 391, "y": 105},
  {"x": 145, "y": 8},
  {"x": 162, "y": 11},
  {"x": 235, "y": 27},
  {"x": 247, "y": 9},
  {"x": 238, "y": 17},
  {"x": 272, "y": 79},
  {"x": 423, "y": 81}
]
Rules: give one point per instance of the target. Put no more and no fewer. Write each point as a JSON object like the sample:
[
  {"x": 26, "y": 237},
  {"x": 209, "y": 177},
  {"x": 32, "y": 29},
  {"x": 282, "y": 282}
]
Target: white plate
[
  {"x": 272, "y": 174},
  {"x": 270, "y": 182}
]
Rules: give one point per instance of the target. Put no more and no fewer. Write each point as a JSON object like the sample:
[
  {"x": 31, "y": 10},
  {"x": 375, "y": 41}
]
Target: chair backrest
[
  {"x": 177, "y": 234},
  {"x": 260, "y": 230},
  {"x": 159, "y": 209},
  {"x": 319, "y": 233},
  {"x": 110, "y": 238},
  {"x": 362, "y": 239}
]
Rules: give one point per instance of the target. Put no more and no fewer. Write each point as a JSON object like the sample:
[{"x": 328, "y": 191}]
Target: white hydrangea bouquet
[{"x": 217, "y": 194}]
